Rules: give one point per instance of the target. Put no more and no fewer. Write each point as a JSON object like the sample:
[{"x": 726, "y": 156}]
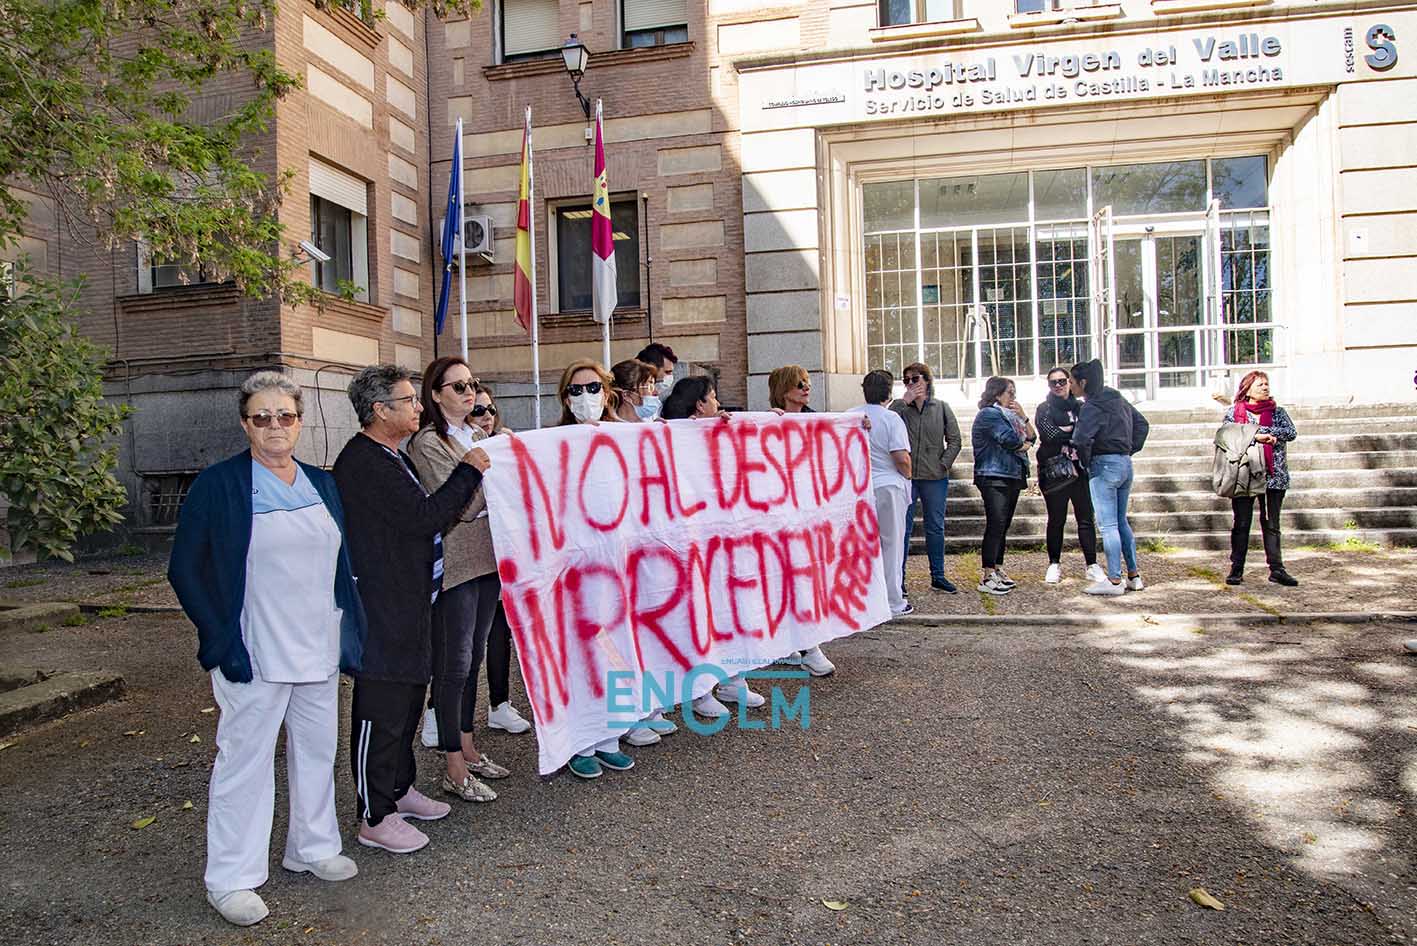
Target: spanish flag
[{"x": 524, "y": 280}]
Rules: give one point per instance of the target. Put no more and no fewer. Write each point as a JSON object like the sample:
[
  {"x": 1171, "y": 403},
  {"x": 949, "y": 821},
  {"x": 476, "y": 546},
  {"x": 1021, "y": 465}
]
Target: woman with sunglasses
[
  {"x": 586, "y": 398},
  {"x": 261, "y": 568},
  {"x": 1055, "y": 421},
  {"x": 790, "y": 389},
  {"x": 484, "y": 410},
  {"x": 935, "y": 442},
  {"x": 462, "y": 615},
  {"x": 501, "y": 714}
]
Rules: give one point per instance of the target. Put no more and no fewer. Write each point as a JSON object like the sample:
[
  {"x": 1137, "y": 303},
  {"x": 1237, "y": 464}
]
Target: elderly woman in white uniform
[{"x": 261, "y": 569}]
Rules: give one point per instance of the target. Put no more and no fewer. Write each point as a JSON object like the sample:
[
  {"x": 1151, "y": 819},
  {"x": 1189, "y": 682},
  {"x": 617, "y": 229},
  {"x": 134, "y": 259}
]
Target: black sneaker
[
  {"x": 1235, "y": 577},
  {"x": 945, "y": 585},
  {"x": 1280, "y": 577}
]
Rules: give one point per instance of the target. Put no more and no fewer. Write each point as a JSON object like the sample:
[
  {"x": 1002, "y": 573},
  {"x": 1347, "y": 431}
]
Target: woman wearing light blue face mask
[{"x": 635, "y": 387}]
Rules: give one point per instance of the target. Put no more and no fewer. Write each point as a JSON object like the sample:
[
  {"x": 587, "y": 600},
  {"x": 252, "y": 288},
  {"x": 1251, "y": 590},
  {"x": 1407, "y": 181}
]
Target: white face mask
[
  {"x": 665, "y": 383},
  {"x": 648, "y": 408},
  {"x": 587, "y": 407}
]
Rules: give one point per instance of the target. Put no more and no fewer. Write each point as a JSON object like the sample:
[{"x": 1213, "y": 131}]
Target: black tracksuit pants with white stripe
[{"x": 383, "y": 724}]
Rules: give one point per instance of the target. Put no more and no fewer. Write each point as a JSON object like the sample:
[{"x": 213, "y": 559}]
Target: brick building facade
[{"x": 1187, "y": 188}]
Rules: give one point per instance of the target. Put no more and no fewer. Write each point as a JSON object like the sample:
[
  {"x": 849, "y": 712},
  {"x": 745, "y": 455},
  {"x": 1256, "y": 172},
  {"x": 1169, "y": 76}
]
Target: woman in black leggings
[
  {"x": 1055, "y": 419},
  {"x": 1002, "y": 436}
]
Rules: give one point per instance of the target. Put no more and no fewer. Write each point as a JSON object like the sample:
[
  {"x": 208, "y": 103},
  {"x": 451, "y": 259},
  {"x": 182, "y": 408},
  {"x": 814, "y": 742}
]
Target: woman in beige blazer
[{"x": 463, "y": 612}]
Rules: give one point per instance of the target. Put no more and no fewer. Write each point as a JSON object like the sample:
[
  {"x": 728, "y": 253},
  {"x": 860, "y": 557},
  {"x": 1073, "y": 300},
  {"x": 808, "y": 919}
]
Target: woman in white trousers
[{"x": 260, "y": 566}]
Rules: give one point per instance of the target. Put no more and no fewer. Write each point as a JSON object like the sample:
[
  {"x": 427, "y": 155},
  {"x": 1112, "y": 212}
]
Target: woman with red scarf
[{"x": 1253, "y": 405}]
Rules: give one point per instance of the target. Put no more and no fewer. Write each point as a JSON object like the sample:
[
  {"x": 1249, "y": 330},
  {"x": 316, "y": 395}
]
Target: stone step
[
  {"x": 1217, "y": 539},
  {"x": 1211, "y": 414},
  {"x": 38, "y": 696},
  {"x": 1198, "y": 481},
  {"x": 1203, "y": 443},
  {"x": 1199, "y": 460},
  {"x": 1205, "y": 431},
  {"x": 1217, "y": 519},
  {"x": 964, "y": 507}
]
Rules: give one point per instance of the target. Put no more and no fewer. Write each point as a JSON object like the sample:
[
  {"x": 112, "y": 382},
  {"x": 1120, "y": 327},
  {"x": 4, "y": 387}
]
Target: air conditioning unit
[{"x": 477, "y": 232}]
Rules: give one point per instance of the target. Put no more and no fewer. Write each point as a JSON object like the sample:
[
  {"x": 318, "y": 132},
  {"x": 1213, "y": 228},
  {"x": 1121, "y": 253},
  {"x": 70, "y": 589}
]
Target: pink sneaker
[
  {"x": 392, "y": 834},
  {"x": 418, "y": 805}
]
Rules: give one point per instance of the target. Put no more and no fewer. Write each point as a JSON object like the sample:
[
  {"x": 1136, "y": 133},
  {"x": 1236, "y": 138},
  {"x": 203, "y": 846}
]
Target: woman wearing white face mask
[
  {"x": 587, "y": 398},
  {"x": 635, "y": 387}
]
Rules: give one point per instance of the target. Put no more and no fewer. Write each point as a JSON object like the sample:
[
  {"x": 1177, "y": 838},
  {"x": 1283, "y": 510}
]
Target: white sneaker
[
  {"x": 641, "y": 736},
  {"x": 506, "y": 718},
  {"x": 706, "y": 705},
  {"x": 817, "y": 663},
  {"x": 333, "y": 868},
  {"x": 1135, "y": 583},
  {"x": 1411, "y": 646},
  {"x": 430, "y": 729},
  {"x": 993, "y": 586},
  {"x": 1054, "y": 574},
  {"x": 238, "y": 907},
  {"x": 1003, "y": 579},
  {"x": 1106, "y": 588},
  {"x": 736, "y": 690},
  {"x": 1095, "y": 572},
  {"x": 793, "y": 659},
  {"x": 657, "y": 722}
]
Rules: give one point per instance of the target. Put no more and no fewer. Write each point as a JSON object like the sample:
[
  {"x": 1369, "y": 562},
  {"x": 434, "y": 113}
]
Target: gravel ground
[
  {"x": 956, "y": 785},
  {"x": 1187, "y": 581}
]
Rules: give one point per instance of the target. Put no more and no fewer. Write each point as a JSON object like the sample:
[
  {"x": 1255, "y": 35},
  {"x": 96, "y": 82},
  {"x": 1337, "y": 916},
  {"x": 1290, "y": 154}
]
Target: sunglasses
[
  {"x": 576, "y": 390},
  {"x": 459, "y": 387},
  {"x": 1057, "y": 382},
  {"x": 804, "y": 385},
  {"x": 263, "y": 419},
  {"x": 913, "y": 378},
  {"x": 481, "y": 409}
]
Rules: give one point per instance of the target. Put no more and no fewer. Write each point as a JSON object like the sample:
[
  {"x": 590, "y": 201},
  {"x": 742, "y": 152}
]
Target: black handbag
[{"x": 1057, "y": 472}]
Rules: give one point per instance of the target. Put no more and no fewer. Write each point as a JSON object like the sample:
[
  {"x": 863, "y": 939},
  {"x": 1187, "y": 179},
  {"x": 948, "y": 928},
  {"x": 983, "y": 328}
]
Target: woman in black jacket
[
  {"x": 394, "y": 532},
  {"x": 1055, "y": 421},
  {"x": 1109, "y": 430}
]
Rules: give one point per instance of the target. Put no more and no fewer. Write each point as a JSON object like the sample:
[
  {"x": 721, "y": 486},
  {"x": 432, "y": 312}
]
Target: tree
[
  {"x": 54, "y": 464},
  {"x": 99, "y": 103}
]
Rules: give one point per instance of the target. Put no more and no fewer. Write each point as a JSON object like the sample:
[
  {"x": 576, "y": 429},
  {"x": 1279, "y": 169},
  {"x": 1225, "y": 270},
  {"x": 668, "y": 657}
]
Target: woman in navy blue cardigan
[{"x": 261, "y": 568}]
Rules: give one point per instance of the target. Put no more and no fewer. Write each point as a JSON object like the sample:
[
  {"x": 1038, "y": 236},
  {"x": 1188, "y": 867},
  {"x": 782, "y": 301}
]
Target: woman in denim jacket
[{"x": 1001, "y": 436}]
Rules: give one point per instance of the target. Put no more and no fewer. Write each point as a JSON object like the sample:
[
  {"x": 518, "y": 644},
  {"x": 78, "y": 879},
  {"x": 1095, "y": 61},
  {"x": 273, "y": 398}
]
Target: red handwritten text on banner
[{"x": 655, "y": 548}]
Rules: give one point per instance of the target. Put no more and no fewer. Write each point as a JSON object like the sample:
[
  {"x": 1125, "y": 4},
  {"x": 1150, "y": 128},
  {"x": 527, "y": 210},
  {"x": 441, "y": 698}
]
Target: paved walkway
[{"x": 988, "y": 785}]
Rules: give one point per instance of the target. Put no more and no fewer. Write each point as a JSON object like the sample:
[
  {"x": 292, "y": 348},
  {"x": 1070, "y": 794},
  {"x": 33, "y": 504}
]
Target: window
[
  {"x": 654, "y": 22},
  {"x": 531, "y": 29},
  {"x": 573, "y": 272},
  {"x": 903, "y": 12},
  {"x": 339, "y": 226},
  {"x": 991, "y": 273},
  {"x": 7, "y": 280},
  {"x": 170, "y": 275},
  {"x": 359, "y": 8}
]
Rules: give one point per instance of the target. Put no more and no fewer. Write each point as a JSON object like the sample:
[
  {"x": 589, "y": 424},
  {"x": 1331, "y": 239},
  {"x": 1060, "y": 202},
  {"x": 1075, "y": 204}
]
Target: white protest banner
[{"x": 631, "y": 554}]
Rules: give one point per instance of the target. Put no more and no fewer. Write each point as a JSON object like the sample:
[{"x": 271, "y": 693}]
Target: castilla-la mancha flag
[
  {"x": 524, "y": 279},
  {"x": 602, "y": 234}
]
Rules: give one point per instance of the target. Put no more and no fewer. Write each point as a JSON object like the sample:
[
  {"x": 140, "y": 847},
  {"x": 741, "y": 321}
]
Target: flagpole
[
  {"x": 462, "y": 242},
  {"x": 531, "y": 234}
]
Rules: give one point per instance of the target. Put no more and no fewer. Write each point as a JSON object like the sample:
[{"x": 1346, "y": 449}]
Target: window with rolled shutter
[
  {"x": 655, "y": 14},
  {"x": 530, "y": 26}
]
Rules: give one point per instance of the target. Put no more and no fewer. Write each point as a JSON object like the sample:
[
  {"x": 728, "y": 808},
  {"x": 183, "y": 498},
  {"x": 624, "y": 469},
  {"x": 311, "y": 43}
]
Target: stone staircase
[{"x": 1354, "y": 472}]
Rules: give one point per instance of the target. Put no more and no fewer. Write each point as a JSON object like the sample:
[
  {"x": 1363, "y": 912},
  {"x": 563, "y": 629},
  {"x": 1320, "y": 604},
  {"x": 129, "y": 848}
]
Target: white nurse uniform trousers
[
  {"x": 241, "y": 801},
  {"x": 890, "y": 514}
]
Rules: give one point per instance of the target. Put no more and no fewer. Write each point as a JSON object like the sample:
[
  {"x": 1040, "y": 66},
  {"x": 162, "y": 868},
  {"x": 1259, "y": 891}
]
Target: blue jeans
[
  {"x": 932, "y": 494},
  {"x": 1110, "y": 485}
]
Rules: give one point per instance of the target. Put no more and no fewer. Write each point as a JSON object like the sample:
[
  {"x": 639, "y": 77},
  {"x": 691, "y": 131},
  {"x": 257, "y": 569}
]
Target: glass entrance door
[{"x": 1160, "y": 312}]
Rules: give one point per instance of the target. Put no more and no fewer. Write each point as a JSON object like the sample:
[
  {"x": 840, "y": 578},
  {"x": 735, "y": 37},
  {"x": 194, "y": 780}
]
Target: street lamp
[{"x": 577, "y": 57}]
